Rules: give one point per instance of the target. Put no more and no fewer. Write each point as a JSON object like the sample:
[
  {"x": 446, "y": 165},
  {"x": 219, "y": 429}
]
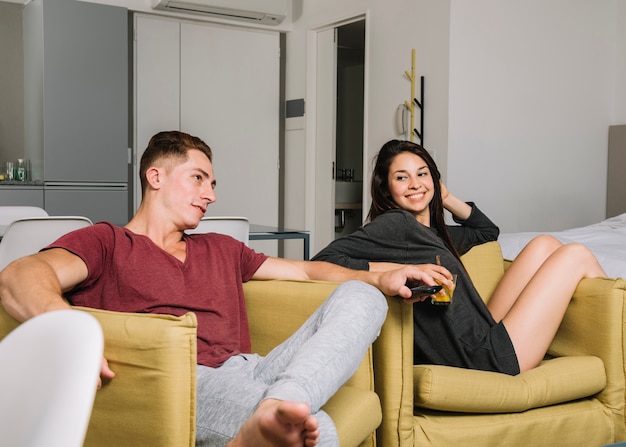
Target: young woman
[{"x": 406, "y": 225}]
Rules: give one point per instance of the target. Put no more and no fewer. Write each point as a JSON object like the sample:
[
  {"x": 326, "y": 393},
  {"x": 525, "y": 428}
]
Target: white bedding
[{"x": 606, "y": 239}]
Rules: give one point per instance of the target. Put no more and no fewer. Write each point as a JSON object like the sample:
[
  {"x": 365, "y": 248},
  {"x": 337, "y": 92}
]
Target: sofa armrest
[
  {"x": 151, "y": 400},
  {"x": 594, "y": 325},
  {"x": 393, "y": 374}
]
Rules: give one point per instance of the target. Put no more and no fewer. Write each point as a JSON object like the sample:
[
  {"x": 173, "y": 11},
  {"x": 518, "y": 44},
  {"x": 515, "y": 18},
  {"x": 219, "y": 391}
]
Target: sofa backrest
[{"x": 485, "y": 265}]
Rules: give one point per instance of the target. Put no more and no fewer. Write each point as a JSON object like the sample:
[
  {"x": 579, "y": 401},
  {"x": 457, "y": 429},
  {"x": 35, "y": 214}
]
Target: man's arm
[
  {"x": 35, "y": 284},
  {"x": 392, "y": 282}
]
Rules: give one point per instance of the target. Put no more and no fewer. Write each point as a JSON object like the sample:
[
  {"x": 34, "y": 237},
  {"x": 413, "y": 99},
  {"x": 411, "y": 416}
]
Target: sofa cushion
[
  {"x": 484, "y": 265},
  {"x": 556, "y": 380}
]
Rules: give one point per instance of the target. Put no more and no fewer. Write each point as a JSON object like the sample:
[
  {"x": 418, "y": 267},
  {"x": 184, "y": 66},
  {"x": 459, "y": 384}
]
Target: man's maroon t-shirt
[{"x": 129, "y": 273}]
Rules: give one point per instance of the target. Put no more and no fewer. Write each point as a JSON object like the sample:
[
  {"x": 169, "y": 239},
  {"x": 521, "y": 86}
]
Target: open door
[
  {"x": 325, "y": 138},
  {"x": 339, "y": 132}
]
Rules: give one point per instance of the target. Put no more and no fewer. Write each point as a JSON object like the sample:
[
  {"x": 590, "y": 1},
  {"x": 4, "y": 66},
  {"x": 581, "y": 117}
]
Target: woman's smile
[{"x": 411, "y": 185}]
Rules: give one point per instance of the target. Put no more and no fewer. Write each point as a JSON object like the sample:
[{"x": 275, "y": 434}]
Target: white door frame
[{"x": 320, "y": 234}]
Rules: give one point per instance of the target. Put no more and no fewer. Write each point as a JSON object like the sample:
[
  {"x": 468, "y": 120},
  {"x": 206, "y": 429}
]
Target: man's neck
[{"x": 161, "y": 232}]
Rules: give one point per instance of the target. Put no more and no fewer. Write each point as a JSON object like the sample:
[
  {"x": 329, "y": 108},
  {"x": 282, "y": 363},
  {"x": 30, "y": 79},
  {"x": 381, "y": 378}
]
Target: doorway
[
  {"x": 349, "y": 127},
  {"x": 338, "y": 140}
]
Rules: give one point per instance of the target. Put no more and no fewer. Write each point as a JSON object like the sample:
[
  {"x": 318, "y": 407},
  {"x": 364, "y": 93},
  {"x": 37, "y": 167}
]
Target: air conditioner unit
[{"x": 266, "y": 12}]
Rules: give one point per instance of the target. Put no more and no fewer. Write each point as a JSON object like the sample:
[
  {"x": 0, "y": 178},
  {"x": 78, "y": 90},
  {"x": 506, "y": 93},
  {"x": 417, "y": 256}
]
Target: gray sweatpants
[{"x": 308, "y": 367}]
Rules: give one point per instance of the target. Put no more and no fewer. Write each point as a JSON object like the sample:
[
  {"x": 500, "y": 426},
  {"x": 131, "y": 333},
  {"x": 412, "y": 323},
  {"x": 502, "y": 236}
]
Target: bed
[{"x": 606, "y": 239}]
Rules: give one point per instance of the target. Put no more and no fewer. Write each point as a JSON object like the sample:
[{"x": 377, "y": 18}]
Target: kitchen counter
[{"x": 14, "y": 183}]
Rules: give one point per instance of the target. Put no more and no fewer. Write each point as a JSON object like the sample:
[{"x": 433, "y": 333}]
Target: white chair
[
  {"x": 10, "y": 213},
  {"x": 29, "y": 235},
  {"x": 236, "y": 227},
  {"x": 48, "y": 379}
]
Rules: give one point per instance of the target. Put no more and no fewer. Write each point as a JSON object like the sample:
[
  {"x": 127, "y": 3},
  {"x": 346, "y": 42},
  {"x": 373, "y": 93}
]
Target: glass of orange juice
[{"x": 444, "y": 296}]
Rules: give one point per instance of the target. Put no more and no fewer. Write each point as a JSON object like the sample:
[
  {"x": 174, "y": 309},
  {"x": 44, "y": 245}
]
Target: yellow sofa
[
  {"x": 151, "y": 401},
  {"x": 575, "y": 398}
]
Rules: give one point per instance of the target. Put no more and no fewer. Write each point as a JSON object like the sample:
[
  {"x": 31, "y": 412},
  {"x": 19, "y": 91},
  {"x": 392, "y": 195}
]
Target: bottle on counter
[{"x": 21, "y": 170}]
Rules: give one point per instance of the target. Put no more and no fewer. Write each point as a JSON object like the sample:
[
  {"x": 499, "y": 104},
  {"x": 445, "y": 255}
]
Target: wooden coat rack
[{"x": 414, "y": 102}]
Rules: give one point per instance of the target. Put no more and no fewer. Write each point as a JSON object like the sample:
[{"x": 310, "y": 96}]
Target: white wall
[
  {"x": 533, "y": 89},
  {"x": 619, "y": 98},
  {"x": 519, "y": 95},
  {"x": 393, "y": 29}
]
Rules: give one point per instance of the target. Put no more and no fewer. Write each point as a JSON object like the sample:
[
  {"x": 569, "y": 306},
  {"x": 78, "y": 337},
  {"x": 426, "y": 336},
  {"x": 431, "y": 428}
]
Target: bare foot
[{"x": 278, "y": 423}]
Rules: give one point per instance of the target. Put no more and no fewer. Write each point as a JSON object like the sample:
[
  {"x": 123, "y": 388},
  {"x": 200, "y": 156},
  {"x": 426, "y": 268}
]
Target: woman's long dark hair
[{"x": 381, "y": 196}]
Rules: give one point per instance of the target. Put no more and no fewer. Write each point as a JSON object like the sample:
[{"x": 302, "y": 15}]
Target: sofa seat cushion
[{"x": 555, "y": 381}]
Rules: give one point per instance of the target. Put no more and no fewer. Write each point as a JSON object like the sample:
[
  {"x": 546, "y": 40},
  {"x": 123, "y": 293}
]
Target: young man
[{"x": 151, "y": 265}]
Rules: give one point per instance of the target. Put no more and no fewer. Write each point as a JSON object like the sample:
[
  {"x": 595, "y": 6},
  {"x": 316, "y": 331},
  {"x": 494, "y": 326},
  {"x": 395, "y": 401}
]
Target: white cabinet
[{"x": 221, "y": 84}]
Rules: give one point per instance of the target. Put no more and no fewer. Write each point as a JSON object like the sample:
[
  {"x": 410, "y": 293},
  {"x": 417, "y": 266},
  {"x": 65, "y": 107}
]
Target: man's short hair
[{"x": 172, "y": 145}]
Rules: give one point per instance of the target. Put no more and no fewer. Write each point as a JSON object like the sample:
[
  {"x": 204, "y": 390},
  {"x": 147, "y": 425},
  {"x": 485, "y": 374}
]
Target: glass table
[{"x": 265, "y": 232}]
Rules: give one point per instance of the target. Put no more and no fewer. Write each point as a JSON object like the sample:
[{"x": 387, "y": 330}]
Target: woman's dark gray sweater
[{"x": 462, "y": 334}]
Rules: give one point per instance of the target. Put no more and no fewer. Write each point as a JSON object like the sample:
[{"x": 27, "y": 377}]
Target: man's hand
[
  {"x": 394, "y": 282},
  {"x": 105, "y": 372}
]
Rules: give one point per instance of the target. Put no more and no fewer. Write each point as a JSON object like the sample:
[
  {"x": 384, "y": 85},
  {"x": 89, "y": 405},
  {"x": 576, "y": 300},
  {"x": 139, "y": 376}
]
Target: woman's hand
[
  {"x": 453, "y": 204},
  {"x": 444, "y": 191}
]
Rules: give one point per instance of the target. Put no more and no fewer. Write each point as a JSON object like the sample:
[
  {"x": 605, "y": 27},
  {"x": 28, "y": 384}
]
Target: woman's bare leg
[
  {"x": 519, "y": 274},
  {"x": 536, "y": 315}
]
